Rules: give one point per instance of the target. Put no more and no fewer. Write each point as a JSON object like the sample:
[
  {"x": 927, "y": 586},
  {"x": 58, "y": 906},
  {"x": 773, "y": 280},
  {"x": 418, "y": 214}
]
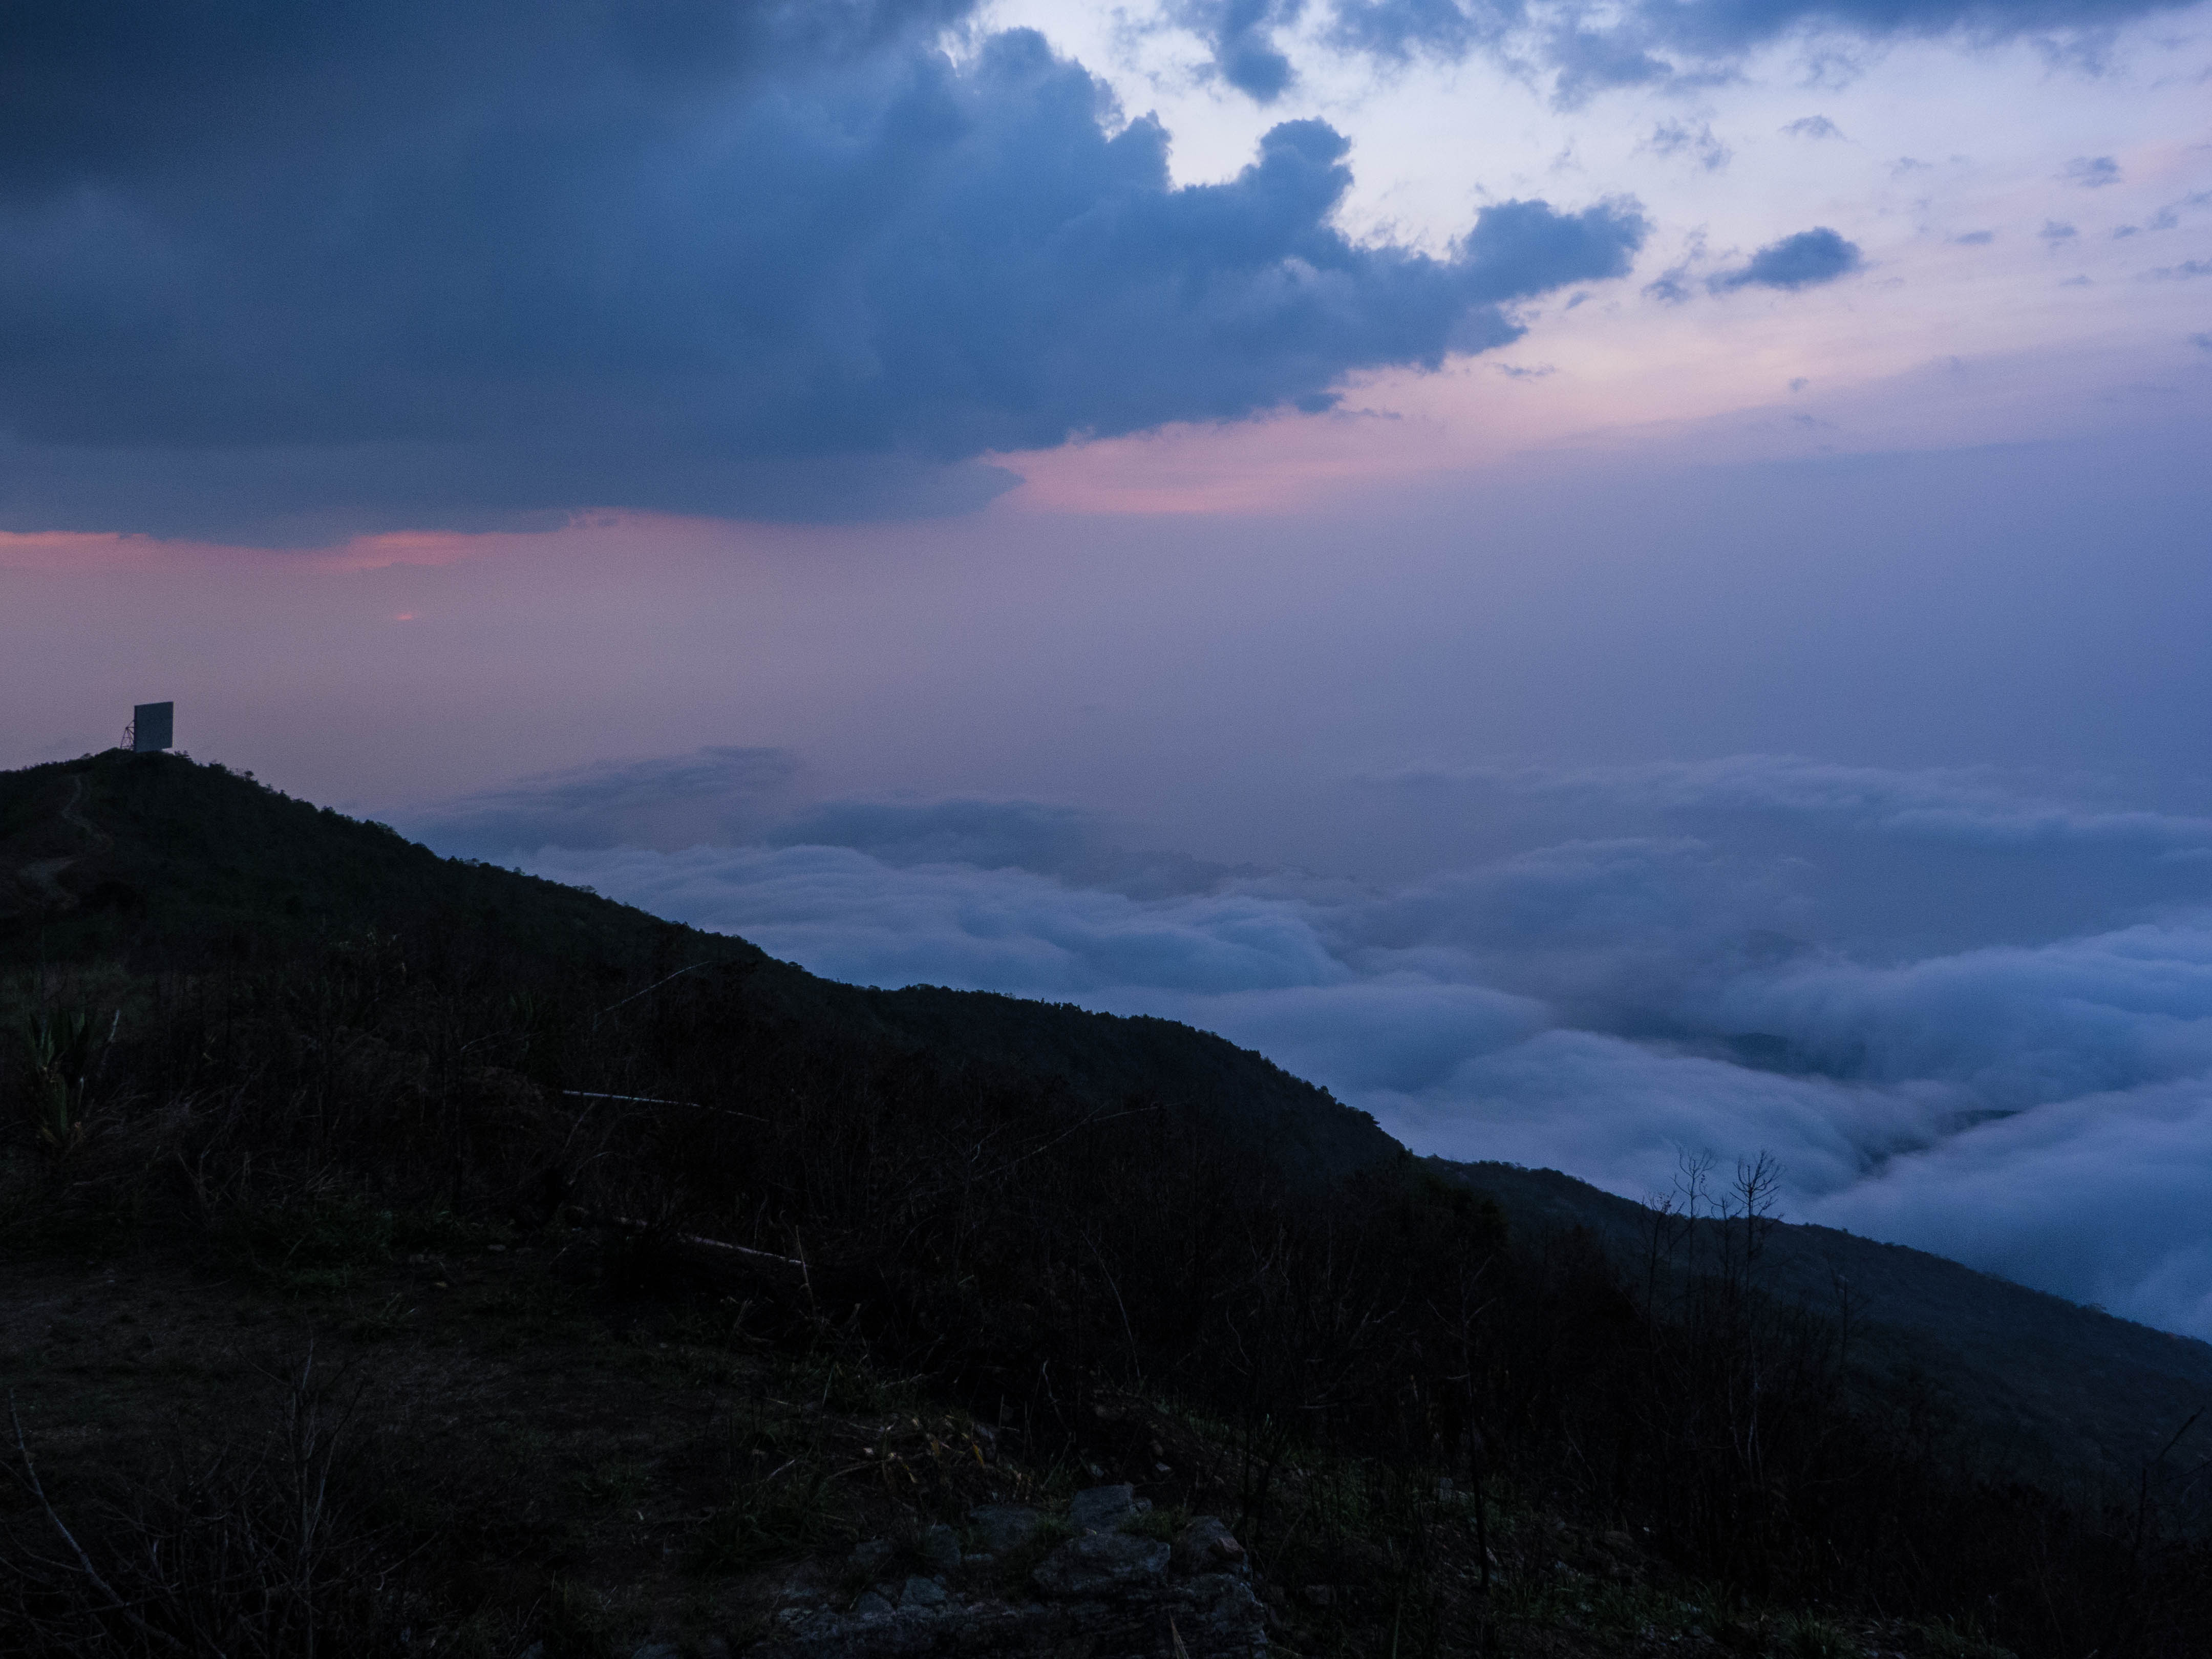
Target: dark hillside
[
  {"x": 159, "y": 861},
  {"x": 2067, "y": 1386}
]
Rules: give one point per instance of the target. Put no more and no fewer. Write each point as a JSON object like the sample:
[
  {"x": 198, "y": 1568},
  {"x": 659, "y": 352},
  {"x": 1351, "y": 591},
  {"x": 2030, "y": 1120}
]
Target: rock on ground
[
  {"x": 1102, "y": 1564},
  {"x": 1101, "y": 1509},
  {"x": 1105, "y": 1593},
  {"x": 1215, "y": 1616}
]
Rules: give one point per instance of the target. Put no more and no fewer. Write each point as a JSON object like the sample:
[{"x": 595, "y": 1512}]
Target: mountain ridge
[{"x": 213, "y": 862}]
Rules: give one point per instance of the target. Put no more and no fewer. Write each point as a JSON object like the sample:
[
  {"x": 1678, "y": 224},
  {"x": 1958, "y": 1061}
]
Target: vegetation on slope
[
  {"x": 639, "y": 1266},
  {"x": 2049, "y": 1384}
]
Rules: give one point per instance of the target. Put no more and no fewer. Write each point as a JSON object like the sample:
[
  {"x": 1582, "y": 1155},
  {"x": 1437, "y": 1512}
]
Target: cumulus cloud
[
  {"x": 1240, "y": 36},
  {"x": 2164, "y": 218},
  {"x": 1639, "y": 42},
  {"x": 1622, "y": 1114},
  {"x": 1881, "y": 862},
  {"x": 465, "y": 265},
  {"x": 1807, "y": 259},
  {"x": 1596, "y": 1003},
  {"x": 1978, "y": 805},
  {"x": 1396, "y": 30},
  {"x": 715, "y": 795},
  {"x": 1674, "y": 286},
  {"x": 722, "y": 796},
  {"x": 2017, "y": 1027},
  {"x": 1875, "y": 1086},
  {"x": 2100, "y": 1198},
  {"x": 854, "y": 916},
  {"x": 1585, "y": 62},
  {"x": 1084, "y": 848},
  {"x": 1678, "y": 138},
  {"x": 1812, "y": 127}
]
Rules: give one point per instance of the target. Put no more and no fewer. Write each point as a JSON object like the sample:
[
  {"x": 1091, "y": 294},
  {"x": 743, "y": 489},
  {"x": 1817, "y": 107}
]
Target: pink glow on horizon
[
  {"x": 84, "y": 551},
  {"x": 73, "y": 551},
  {"x": 613, "y": 532}
]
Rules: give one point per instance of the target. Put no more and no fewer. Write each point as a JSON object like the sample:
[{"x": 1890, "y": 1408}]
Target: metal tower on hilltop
[{"x": 153, "y": 726}]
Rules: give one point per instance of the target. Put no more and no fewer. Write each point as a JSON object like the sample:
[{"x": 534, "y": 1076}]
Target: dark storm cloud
[
  {"x": 96, "y": 94},
  {"x": 375, "y": 266},
  {"x": 1805, "y": 260}
]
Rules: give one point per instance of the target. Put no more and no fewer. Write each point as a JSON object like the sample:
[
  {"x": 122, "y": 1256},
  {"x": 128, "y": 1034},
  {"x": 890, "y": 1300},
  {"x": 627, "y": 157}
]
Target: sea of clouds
[{"x": 1964, "y": 1015}]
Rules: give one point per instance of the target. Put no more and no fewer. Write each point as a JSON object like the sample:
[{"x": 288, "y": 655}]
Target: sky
[{"x": 1612, "y": 583}]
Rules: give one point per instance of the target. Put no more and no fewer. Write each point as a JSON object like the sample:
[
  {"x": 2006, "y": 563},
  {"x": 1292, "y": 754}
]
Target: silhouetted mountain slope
[
  {"x": 160, "y": 860},
  {"x": 2036, "y": 1373}
]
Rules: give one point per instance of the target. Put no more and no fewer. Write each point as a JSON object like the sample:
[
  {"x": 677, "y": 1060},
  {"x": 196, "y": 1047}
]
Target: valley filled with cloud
[{"x": 1751, "y": 973}]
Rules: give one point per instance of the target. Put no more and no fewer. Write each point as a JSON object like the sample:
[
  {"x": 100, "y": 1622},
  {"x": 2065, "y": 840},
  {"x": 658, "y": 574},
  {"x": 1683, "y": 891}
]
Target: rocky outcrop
[
  {"x": 1102, "y": 1564},
  {"x": 1206, "y": 1545},
  {"x": 1034, "y": 1585}
]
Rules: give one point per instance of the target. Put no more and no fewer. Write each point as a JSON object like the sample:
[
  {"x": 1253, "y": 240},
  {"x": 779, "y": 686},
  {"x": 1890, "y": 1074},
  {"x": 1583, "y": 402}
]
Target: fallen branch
[
  {"x": 708, "y": 1251},
  {"x": 651, "y": 1100},
  {"x": 116, "y": 1603},
  {"x": 648, "y": 990}
]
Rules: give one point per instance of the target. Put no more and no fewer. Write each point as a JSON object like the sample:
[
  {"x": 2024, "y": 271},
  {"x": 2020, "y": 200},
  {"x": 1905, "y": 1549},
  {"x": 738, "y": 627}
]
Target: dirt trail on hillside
[
  {"x": 43, "y": 876},
  {"x": 101, "y": 840}
]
